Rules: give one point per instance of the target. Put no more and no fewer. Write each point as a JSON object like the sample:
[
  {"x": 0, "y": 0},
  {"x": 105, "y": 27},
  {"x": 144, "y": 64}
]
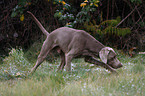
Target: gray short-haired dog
[{"x": 71, "y": 43}]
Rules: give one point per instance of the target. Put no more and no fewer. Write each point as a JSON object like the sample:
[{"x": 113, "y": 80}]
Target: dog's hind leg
[
  {"x": 44, "y": 51},
  {"x": 62, "y": 64}
]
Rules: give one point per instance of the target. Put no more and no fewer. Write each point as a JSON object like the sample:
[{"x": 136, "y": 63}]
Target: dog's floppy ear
[{"x": 104, "y": 54}]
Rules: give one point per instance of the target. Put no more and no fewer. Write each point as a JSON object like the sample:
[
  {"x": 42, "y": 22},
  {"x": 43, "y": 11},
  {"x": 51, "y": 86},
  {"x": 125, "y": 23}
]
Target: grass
[{"x": 84, "y": 79}]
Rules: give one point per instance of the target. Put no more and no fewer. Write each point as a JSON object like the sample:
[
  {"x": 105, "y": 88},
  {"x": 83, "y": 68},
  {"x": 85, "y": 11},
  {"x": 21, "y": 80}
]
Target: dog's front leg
[
  {"x": 99, "y": 63},
  {"x": 68, "y": 58},
  {"x": 39, "y": 61}
]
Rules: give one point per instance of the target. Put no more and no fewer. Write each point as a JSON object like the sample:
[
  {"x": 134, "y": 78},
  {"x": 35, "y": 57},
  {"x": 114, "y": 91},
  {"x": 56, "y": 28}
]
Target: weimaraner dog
[{"x": 71, "y": 43}]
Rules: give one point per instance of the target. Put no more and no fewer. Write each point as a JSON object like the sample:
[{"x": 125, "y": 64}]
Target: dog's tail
[{"x": 39, "y": 24}]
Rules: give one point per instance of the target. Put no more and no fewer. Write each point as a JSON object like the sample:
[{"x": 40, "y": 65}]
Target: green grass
[{"x": 83, "y": 80}]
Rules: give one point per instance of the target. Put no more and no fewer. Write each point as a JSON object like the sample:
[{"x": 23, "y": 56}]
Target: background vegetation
[{"x": 116, "y": 23}]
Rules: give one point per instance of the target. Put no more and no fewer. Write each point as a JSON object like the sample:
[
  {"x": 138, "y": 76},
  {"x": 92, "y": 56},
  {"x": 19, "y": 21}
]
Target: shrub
[{"x": 15, "y": 65}]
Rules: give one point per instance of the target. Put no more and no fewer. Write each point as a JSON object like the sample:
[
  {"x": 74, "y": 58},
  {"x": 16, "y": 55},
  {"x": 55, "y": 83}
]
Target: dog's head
[{"x": 108, "y": 56}]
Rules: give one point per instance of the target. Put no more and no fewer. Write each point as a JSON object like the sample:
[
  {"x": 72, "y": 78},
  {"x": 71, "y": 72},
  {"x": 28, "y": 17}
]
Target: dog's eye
[{"x": 111, "y": 59}]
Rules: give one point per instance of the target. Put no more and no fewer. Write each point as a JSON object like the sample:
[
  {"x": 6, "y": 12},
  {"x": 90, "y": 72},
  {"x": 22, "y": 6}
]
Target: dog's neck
[{"x": 100, "y": 47}]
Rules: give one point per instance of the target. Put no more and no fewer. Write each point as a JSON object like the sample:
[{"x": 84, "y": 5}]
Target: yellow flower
[
  {"x": 18, "y": 74},
  {"x": 67, "y": 23},
  {"x": 22, "y": 17},
  {"x": 86, "y": 1},
  {"x": 54, "y": 2},
  {"x": 83, "y": 4},
  {"x": 91, "y": 4},
  {"x": 29, "y": 3},
  {"x": 59, "y": 1},
  {"x": 59, "y": 13},
  {"x": 64, "y": 8},
  {"x": 63, "y": 2}
]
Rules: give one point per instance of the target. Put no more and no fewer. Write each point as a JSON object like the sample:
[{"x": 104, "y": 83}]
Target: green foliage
[
  {"x": 19, "y": 9},
  {"x": 90, "y": 26},
  {"x": 112, "y": 22},
  {"x": 88, "y": 7},
  {"x": 116, "y": 31},
  {"x": 71, "y": 18},
  {"x": 63, "y": 13},
  {"x": 107, "y": 27},
  {"x": 136, "y": 1},
  {"x": 84, "y": 18},
  {"x": 142, "y": 24}
]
